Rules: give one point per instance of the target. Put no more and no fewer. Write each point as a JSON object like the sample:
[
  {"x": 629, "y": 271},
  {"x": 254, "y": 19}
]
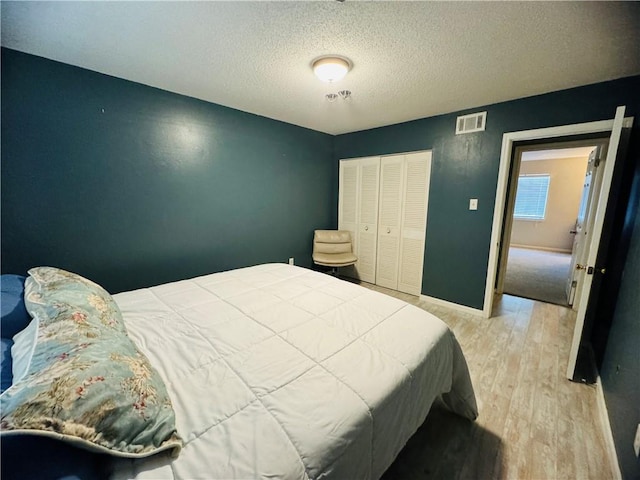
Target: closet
[{"x": 383, "y": 203}]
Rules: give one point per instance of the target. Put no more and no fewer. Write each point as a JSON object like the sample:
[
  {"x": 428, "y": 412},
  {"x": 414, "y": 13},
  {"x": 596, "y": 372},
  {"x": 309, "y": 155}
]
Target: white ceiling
[
  {"x": 556, "y": 153},
  {"x": 410, "y": 59}
]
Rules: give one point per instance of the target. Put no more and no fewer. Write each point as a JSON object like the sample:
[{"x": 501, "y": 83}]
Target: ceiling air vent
[{"x": 471, "y": 123}]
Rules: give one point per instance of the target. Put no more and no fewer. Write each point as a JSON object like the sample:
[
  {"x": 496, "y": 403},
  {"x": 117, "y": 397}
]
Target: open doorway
[
  {"x": 546, "y": 206},
  {"x": 615, "y": 132}
]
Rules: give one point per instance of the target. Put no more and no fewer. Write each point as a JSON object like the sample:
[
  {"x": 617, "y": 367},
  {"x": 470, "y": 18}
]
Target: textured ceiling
[{"x": 410, "y": 59}]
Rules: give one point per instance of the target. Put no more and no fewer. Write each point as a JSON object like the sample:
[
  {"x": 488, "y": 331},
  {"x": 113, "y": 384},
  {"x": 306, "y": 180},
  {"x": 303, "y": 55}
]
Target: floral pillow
[{"x": 86, "y": 382}]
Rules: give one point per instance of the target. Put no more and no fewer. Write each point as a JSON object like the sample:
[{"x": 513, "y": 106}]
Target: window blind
[{"x": 531, "y": 197}]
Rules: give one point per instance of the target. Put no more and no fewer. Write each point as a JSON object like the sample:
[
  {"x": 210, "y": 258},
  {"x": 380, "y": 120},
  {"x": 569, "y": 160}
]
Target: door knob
[
  {"x": 388, "y": 230},
  {"x": 580, "y": 267},
  {"x": 366, "y": 228}
]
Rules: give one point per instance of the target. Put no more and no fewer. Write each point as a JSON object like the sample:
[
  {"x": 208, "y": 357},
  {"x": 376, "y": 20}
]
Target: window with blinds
[{"x": 531, "y": 197}]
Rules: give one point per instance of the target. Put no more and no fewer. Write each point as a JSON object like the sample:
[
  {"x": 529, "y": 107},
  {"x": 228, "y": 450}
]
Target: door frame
[
  {"x": 508, "y": 141},
  {"x": 518, "y": 151}
]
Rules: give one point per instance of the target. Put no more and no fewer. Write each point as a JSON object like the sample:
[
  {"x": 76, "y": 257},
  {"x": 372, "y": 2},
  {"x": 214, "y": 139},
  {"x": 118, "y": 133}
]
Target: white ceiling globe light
[{"x": 331, "y": 68}]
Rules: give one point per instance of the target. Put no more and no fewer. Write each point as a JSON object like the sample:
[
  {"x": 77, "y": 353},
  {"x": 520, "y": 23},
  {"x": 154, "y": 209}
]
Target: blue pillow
[
  {"x": 14, "y": 314},
  {"x": 6, "y": 365}
]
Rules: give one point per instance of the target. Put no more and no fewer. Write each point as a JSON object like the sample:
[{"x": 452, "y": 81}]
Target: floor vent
[{"x": 471, "y": 123}]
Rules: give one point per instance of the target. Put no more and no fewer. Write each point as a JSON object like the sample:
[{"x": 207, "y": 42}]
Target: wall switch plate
[
  {"x": 473, "y": 204},
  {"x": 636, "y": 442},
  {"x": 291, "y": 261}
]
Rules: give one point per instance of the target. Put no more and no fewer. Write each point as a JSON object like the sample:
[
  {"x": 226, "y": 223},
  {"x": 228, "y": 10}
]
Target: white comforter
[{"x": 277, "y": 371}]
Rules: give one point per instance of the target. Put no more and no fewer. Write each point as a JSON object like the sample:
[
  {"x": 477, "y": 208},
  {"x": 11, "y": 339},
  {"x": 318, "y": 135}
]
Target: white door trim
[
  {"x": 610, "y": 445},
  {"x": 508, "y": 139}
]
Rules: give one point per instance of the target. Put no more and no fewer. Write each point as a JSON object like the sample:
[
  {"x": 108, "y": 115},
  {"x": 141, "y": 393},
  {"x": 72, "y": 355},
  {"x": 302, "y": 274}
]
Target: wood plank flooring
[{"x": 533, "y": 423}]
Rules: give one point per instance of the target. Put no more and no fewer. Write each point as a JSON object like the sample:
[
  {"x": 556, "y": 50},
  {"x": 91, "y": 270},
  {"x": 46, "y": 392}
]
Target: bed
[{"x": 276, "y": 371}]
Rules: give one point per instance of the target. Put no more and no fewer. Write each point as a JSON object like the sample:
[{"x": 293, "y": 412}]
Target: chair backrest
[{"x": 332, "y": 241}]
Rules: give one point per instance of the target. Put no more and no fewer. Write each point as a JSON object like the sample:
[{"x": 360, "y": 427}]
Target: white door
[
  {"x": 368, "y": 218},
  {"x": 600, "y": 206},
  {"x": 389, "y": 216},
  {"x": 417, "y": 172},
  {"x": 348, "y": 204}
]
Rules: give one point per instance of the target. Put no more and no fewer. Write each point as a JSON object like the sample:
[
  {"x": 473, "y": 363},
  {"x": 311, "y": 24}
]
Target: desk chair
[{"x": 333, "y": 248}]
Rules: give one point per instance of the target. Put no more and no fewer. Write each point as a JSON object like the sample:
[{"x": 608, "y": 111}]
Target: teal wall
[
  {"x": 620, "y": 370},
  {"x": 466, "y": 166},
  {"x": 134, "y": 186}
]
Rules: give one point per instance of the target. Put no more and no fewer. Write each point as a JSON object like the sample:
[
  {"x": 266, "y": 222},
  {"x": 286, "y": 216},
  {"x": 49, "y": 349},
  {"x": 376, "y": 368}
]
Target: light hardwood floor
[{"x": 533, "y": 422}]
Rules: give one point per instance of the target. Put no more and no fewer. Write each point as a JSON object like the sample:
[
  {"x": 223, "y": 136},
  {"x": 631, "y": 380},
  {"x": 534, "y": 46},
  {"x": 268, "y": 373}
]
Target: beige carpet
[{"x": 537, "y": 274}]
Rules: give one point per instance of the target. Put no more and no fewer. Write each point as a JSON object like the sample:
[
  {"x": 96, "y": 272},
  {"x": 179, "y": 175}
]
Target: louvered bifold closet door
[
  {"x": 417, "y": 171},
  {"x": 389, "y": 218},
  {"x": 348, "y": 205},
  {"x": 368, "y": 218}
]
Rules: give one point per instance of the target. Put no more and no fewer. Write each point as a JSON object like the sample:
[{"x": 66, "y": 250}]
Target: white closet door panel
[
  {"x": 389, "y": 220},
  {"x": 416, "y": 191},
  {"x": 414, "y": 222},
  {"x": 387, "y": 265},
  {"x": 348, "y": 199},
  {"x": 410, "y": 277},
  {"x": 366, "y": 265},
  {"x": 390, "y": 191},
  {"x": 369, "y": 186},
  {"x": 348, "y": 206}
]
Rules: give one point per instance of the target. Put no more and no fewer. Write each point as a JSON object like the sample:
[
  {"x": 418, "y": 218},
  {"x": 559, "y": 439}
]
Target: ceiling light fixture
[
  {"x": 344, "y": 94},
  {"x": 331, "y": 68}
]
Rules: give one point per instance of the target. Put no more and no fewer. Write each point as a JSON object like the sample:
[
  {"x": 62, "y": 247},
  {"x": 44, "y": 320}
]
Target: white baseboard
[
  {"x": 607, "y": 433},
  {"x": 455, "y": 306},
  {"x": 546, "y": 249}
]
